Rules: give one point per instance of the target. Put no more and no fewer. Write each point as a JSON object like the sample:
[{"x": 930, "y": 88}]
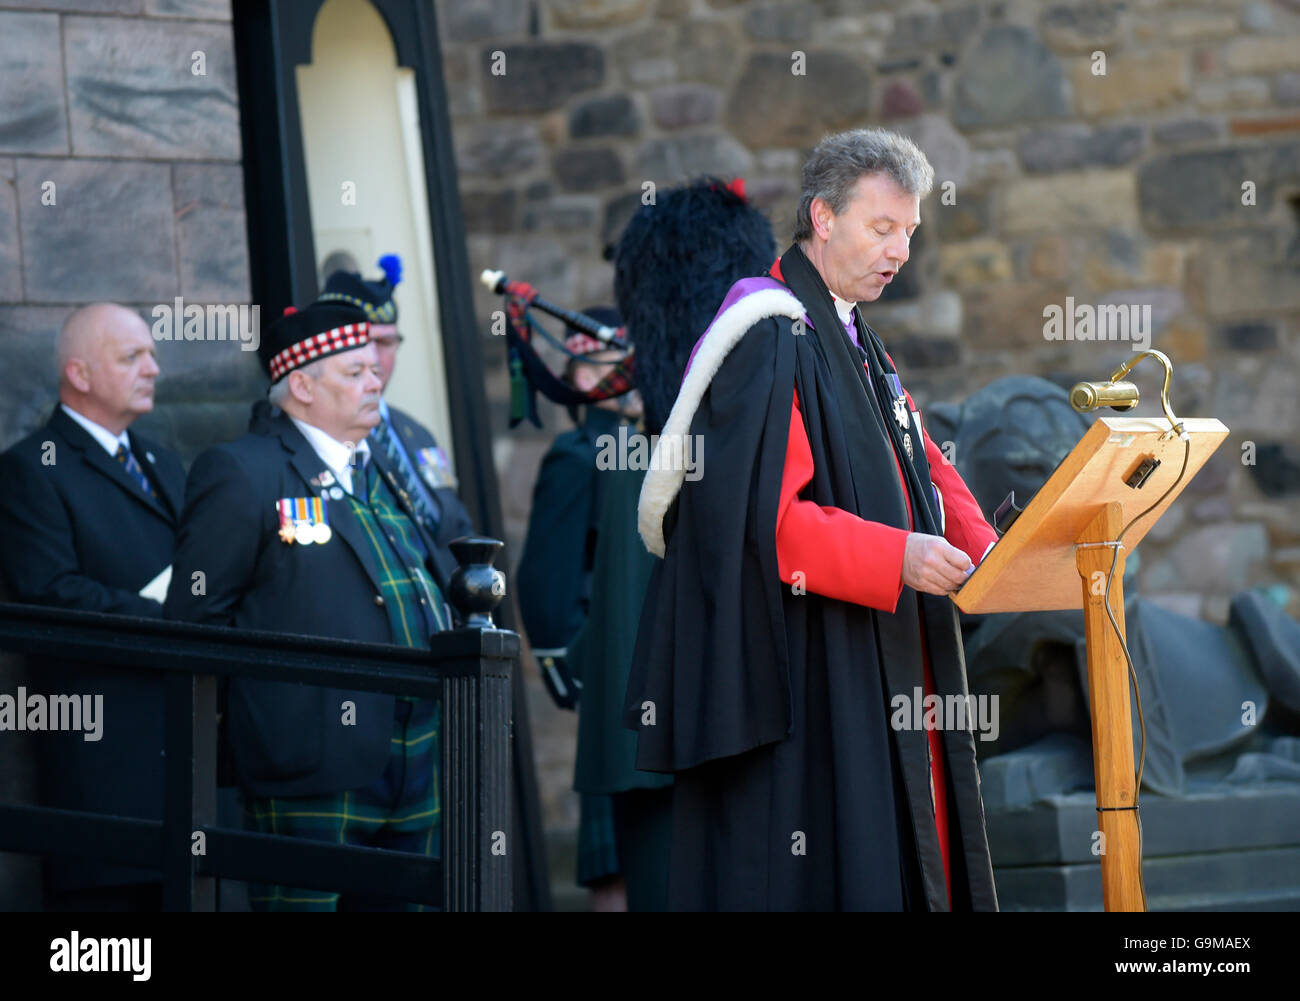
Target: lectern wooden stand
[{"x": 1058, "y": 555}]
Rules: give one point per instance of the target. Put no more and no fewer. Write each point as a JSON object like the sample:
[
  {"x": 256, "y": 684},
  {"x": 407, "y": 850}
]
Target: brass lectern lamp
[{"x": 1066, "y": 550}]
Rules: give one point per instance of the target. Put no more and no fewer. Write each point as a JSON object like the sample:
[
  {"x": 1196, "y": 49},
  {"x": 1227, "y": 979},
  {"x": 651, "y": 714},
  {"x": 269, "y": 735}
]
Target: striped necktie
[
  {"x": 127, "y": 459},
  {"x": 387, "y": 440},
  {"x": 363, "y": 479}
]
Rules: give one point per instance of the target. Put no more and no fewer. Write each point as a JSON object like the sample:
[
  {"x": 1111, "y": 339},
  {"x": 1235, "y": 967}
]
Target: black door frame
[{"x": 272, "y": 37}]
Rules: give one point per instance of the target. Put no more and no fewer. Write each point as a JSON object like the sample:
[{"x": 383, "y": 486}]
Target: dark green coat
[
  {"x": 602, "y": 651},
  {"x": 580, "y": 583},
  {"x": 552, "y": 579}
]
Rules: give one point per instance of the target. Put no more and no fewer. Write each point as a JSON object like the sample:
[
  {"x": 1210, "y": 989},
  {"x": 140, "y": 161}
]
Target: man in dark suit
[
  {"x": 403, "y": 447},
  {"x": 294, "y": 528},
  {"x": 87, "y": 521}
]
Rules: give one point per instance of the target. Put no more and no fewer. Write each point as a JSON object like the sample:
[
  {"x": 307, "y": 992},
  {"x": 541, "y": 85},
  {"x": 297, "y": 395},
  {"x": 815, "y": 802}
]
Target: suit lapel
[
  {"x": 99, "y": 460},
  {"x": 143, "y": 450},
  {"x": 343, "y": 522},
  {"x": 399, "y": 428},
  {"x": 413, "y": 439}
]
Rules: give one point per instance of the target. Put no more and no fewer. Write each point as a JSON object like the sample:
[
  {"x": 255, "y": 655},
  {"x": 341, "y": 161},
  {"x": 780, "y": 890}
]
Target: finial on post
[{"x": 476, "y": 586}]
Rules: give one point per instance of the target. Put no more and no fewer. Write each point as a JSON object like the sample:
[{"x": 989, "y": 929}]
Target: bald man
[{"x": 88, "y": 512}]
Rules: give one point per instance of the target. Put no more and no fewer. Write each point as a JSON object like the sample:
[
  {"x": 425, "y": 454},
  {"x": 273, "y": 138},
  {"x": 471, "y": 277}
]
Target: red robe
[{"x": 845, "y": 557}]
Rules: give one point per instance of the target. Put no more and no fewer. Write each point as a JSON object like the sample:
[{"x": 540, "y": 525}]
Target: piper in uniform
[
  {"x": 404, "y": 449},
  {"x": 554, "y": 580},
  {"x": 294, "y": 528}
]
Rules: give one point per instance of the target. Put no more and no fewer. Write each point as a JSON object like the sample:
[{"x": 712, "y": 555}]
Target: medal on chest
[
  {"x": 435, "y": 468},
  {"x": 898, "y": 405},
  {"x": 303, "y": 520},
  {"x": 902, "y": 417}
]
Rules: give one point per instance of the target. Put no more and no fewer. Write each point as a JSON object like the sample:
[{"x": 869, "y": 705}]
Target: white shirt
[
  {"x": 843, "y": 307},
  {"x": 100, "y": 433},
  {"x": 334, "y": 453}
]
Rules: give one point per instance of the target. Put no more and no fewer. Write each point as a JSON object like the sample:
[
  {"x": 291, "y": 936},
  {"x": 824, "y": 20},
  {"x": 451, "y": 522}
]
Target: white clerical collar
[
  {"x": 334, "y": 453},
  {"x": 843, "y": 307},
  {"x": 100, "y": 433}
]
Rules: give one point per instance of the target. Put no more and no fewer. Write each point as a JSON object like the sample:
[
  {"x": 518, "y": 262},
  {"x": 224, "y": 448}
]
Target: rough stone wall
[
  {"x": 120, "y": 163},
  {"x": 1115, "y": 188},
  {"x": 1122, "y": 187}
]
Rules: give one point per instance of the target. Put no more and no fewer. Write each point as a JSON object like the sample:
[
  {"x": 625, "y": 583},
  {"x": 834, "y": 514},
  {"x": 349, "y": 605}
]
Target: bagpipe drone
[{"x": 529, "y": 372}]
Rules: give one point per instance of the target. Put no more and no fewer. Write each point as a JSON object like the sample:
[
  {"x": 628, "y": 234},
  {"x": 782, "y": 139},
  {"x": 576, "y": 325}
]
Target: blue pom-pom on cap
[{"x": 392, "y": 265}]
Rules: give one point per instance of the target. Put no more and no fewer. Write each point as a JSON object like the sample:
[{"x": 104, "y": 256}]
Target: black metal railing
[{"x": 468, "y": 669}]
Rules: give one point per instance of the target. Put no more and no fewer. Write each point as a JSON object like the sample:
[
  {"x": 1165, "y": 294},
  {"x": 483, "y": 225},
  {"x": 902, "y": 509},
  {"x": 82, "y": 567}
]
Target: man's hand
[{"x": 933, "y": 565}]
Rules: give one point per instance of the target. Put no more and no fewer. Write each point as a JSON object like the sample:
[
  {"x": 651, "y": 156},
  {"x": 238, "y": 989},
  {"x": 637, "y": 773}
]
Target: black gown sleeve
[{"x": 710, "y": 671}]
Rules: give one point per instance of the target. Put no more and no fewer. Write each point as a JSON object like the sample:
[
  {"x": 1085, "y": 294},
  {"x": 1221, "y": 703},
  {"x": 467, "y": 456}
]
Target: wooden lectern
[{"x": 1058, "y": 555}]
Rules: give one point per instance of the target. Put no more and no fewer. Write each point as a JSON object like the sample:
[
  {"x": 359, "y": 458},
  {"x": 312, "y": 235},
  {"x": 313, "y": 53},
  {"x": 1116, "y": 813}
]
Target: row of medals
[{"x": 305, "y": 533}]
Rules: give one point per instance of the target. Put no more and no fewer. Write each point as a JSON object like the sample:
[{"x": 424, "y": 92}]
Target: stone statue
[{"x": 1221, "y": 704}]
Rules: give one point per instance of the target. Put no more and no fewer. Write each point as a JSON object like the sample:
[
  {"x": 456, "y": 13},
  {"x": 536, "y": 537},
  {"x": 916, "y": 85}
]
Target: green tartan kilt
[{"x": 400, "y": 811}]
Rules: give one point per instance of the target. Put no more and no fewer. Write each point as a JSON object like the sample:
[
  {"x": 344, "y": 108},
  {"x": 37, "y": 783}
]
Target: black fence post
[
  {"x": 476, "y": 707},
  {"x": 470, "y": 669},
  {"x": 190, "y": 803}
]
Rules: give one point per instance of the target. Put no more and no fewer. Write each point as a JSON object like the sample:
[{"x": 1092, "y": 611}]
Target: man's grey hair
[
  {"x": 338, "y": 260},
  {"x": 839, "y": 160},
  {"x": 279, "y": 391}
]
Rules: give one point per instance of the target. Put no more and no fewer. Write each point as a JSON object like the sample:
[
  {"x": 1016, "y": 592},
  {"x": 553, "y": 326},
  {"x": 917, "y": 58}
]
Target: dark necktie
[
  {"x": 363, "y": 480},
  {"x": 387, "y": 440},
  {"x": 127, "y": 459}
]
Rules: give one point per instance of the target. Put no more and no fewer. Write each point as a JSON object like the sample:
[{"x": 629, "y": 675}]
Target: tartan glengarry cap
[
  {"x": 304, "y": 335},
  {"x": 582, "y": 343}
]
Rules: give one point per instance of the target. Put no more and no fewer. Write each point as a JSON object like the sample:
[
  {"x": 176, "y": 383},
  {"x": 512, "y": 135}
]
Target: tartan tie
[
  {"x": 127, "y": 459},
  {"x": 436, "y": 612},
  {"x": 384, "y": 437}
]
